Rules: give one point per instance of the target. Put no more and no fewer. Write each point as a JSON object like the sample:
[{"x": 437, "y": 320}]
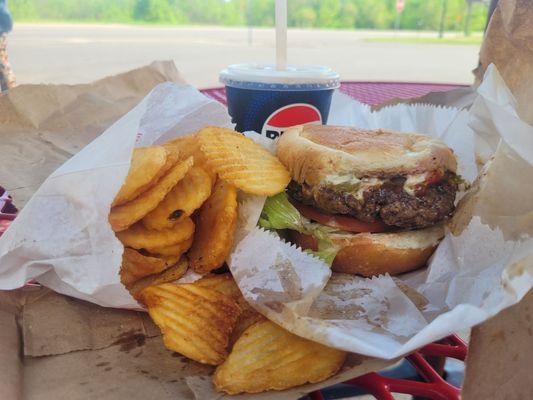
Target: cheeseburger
[{"x": 373, "y": 200}]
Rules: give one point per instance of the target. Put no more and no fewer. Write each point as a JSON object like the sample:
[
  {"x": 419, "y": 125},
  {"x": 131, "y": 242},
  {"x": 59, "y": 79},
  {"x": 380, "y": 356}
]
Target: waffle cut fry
[
  {"x": 123, "y": 216},
  {"x": 267, "y": 357},
  {"x": 185, "y": 198},
  {"x": 189, "y": 146},
  {"x": 146, "y": 165},
  {"x": 242, "y": 162},
  {"x": 216, "y": 223},
  {"x": 195, "y": 321},
  {"x": 138, "y": 237},
  {"x": 136, "y": 265},
  {"x": 175, "y": 250},
  {"x": 171, "y": 274}
]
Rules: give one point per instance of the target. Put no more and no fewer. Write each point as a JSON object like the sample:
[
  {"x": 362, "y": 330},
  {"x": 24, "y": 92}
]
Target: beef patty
[{"x": 387, "y": 201}]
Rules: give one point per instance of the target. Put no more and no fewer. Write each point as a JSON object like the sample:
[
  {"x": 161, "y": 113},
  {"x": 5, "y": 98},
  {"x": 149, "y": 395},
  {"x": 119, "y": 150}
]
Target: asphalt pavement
[{"x": 60, "y": 53}]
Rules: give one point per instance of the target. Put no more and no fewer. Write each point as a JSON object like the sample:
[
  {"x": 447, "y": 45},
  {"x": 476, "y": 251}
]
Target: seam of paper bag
[
  {"x": 91, "y": 347},
  {"x": 88, "y": 349},
  {"x": 115, "y": 165},
  {"x": 32, "y": 298},
  {"x": 53, "y": 146}
]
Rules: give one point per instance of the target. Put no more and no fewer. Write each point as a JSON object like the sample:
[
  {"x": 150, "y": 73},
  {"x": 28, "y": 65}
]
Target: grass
[{"x": 458, "y": 40}]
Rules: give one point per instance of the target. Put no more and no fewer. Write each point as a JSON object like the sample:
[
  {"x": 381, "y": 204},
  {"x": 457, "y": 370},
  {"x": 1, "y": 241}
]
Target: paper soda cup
[{"x": 265, "y": 100}]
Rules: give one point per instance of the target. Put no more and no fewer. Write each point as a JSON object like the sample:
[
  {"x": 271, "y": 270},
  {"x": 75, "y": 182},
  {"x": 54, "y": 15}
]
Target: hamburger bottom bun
[{"x": 370, "y": 254}]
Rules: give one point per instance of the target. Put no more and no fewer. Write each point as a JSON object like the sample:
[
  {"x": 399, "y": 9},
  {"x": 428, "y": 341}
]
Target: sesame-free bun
[
  {"x": 313, "y": 153},
  {"x": 370, "y": 254}
]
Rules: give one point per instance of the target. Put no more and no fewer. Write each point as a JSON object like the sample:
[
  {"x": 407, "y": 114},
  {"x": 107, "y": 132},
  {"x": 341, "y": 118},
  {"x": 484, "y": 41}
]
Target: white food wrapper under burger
[{"x": 63, "y": 240}]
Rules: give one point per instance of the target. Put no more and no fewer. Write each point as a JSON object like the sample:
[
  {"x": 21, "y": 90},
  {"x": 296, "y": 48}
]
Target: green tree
[
  {"x": 304, "y": 17},
  {"x": 347, "y": 15},
  {"x": 362, "y": 14}
]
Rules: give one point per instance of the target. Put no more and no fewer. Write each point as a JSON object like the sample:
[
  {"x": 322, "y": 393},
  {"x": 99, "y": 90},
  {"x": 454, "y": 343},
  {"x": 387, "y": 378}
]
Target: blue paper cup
[{"x": 265, "y": 100}]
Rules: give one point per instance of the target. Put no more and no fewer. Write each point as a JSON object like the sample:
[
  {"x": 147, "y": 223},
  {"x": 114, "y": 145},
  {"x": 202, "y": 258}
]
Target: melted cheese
[
  {"x": 359, "y": 186},
  {"x": 366, "y": 184},
  {"x": 342, "y": 180},
  {"x": 412, "y": 181}
]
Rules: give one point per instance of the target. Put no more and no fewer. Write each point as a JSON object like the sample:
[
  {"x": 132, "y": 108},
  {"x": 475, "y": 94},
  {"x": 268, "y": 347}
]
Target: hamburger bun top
[{"x": 315, "y": 153}]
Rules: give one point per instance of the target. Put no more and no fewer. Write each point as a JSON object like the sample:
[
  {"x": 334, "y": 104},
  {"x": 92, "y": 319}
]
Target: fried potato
[
  {"x": 123, "y": 216},
  {"x": 173, "y": 157},
  {"x": 267, "y": 357},
  {"x": 172, "y": 273},
  {"x": 146, "y": 164},
  {"x": 136, "y": 266},
  {"x": 138, "y": 237},
  {"x": 242, "y": 162},
  {"x": 173, "y": 154},
  {"x": 225, "y": 284},
  {"x": 184, "y": 198},
  {"x": 195, "y": 321},
  {"x": 215, "y": 229},
  {"x": 247, "y": 318},
  {"x": 188, "y": 146},
  {"x": 175, "y": 250}
]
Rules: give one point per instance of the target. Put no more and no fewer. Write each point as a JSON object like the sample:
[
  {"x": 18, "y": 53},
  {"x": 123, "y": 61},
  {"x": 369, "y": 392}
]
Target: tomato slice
[
  {"x": 342, "y": 222},
  {"x": 433, "y": 178}
]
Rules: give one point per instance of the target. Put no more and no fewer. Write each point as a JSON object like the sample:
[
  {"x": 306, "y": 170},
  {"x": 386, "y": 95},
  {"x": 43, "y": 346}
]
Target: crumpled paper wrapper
[{"x": 63, "y": 240}]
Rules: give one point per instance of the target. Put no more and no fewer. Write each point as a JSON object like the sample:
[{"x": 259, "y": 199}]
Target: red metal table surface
[
  {"x": 368, "y": 92},
  {"x": 433, "y": 386}
]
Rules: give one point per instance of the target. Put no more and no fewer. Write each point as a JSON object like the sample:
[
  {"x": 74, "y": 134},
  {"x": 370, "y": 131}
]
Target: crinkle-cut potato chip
[
  {"x": 138, "y": 237},
  {"x": 225, "y": 283},
  {"x": 242, "y": 162},
  {"x": 184, "y": 198},
  {"x": 136, "y": 265},
  {"x": 215, "y": 229},
  {"x": 174, "y": 250},
  {"x": 123, "y": 216},
  {"x": 267, "y": 357},
  {"x": 146, "y": 164},
  {"x": 195, "y": 321},
  {"x": 188, "y": 146},
  {"x": 171, "y": 274},
  {"x": 247, "y": 318}
]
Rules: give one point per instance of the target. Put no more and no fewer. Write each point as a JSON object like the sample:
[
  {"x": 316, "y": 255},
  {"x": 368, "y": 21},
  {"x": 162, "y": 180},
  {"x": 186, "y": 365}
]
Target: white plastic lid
[{"x": 316, "y": 75}]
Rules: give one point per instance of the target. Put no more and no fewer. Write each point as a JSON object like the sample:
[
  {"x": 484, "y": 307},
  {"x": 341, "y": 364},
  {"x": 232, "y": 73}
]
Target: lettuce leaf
[{"x": 279, "y": 213}]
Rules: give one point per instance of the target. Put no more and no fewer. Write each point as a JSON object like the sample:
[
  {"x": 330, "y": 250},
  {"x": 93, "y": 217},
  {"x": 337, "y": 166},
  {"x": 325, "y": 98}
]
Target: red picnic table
[{"x": 429, "y": 382}]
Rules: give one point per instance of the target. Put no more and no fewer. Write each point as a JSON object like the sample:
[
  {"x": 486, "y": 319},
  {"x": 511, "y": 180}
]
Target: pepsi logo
[{"x": 290, "y": 115}]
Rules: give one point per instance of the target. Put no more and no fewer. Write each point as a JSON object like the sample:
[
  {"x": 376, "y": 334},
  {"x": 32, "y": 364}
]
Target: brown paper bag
[
  {"x": 498, "y": 364},
  {"x": 41, "y": 126},
  {"x": 508, "y": 44}
]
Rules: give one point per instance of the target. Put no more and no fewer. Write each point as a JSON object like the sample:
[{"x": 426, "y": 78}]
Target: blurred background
[{"x": 73, "y": 41}]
